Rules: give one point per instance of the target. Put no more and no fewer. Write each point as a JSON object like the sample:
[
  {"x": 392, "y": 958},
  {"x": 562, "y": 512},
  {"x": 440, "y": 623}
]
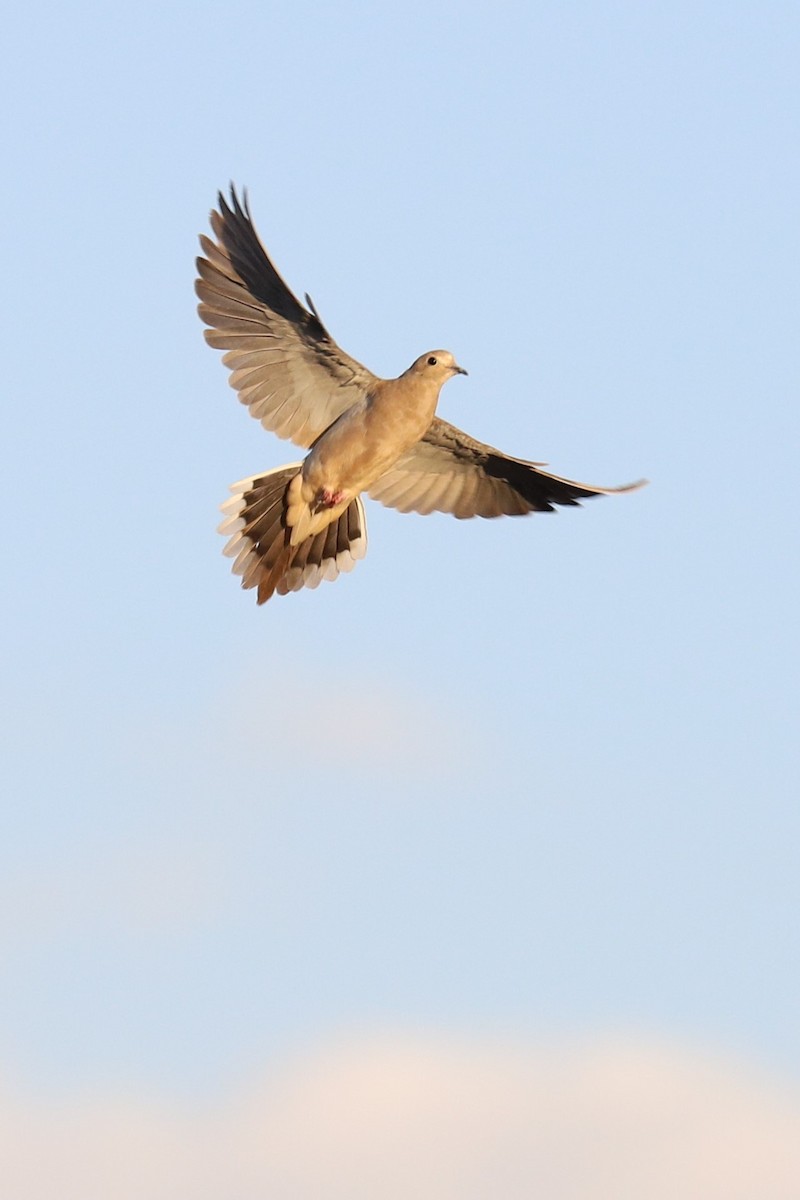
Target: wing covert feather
[
  {"x": 283, "y": 363},
  {"x": 449, "y": 471}
]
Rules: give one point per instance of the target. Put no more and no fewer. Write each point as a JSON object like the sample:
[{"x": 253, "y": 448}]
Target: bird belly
[{"x": 360, "y": 447}]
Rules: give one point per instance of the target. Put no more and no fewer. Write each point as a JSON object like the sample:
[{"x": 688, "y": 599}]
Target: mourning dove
[{"x": 296, "y": 525}]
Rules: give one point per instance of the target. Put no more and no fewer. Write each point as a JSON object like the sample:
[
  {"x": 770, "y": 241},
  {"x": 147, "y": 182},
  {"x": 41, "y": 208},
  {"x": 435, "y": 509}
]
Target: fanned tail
[{"x": 260, "y": 541}]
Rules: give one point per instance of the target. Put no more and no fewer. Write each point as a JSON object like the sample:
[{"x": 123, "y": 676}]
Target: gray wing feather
[
  {"x": 448, "y": 471},
  {"x": 284, "y": 364}
]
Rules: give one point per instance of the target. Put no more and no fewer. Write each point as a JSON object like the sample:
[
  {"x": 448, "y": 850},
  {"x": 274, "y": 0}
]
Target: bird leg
[{"x": 329, "y": 498}]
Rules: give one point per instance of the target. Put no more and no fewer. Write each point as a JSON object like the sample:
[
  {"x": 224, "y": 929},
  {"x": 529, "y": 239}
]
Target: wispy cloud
[
  {"x": 328, "y": 722},
  {"x": 133, "y": 887},
  {"x": 448, "y": 1120}
]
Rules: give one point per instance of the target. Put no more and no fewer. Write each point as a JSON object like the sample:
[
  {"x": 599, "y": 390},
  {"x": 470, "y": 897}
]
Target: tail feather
[
  {"x": 273, "y": 571},
  {"x": 260, "y": 537}
]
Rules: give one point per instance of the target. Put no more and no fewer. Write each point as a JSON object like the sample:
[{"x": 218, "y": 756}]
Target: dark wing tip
[
  {"x": 236, "y": 235},
  {"x": 234, "y": 207},
  {"x": 624, "y": 487},
  {"x": 541, "y": 490},
  {"x": 240, "y": 207}
]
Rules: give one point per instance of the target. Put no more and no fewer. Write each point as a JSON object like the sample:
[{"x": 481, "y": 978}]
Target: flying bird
[{"x": 296, "y": 525}]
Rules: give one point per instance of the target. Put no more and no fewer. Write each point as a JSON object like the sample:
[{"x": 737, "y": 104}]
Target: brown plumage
[{"x": 297, "y": 525}]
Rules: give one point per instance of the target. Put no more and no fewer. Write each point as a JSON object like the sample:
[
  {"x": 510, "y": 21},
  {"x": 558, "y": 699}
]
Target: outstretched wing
[
  {"x": 448, "y": 471},
  {"x": 284, "y": 364}
]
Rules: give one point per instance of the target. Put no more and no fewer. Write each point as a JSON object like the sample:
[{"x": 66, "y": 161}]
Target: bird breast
[{"x": 370, "y": 437}]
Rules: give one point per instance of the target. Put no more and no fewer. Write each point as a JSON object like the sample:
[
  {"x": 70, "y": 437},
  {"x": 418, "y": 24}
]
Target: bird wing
[
  {"x": 448, "y": 471},
  {"x": 284, "y": 364}
]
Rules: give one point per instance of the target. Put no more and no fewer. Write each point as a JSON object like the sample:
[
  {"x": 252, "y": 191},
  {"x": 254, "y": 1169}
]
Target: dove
[{"x": 297, "y": 525}]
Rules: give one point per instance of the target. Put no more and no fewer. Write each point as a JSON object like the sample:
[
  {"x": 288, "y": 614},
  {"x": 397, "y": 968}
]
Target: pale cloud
[
  {"x": 270, "y": 731},
  {"x": 400, "y": 1117},
  {"x": 330, "y": 723},
  {"x": 136, "y": 888}
]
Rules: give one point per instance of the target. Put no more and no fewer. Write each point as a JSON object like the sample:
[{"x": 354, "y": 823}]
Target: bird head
[{"x": 437, "y": 365}]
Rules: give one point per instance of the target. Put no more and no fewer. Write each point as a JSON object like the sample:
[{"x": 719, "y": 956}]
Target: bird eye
[{"x": 431, "y": 361}]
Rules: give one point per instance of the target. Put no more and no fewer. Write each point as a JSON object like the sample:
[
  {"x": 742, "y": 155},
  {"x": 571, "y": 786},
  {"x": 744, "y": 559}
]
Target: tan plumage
[{"x": 300, "y": 524}]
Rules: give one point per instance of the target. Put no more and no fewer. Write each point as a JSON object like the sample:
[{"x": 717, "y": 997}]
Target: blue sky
[{"x": 530, "y": 777}]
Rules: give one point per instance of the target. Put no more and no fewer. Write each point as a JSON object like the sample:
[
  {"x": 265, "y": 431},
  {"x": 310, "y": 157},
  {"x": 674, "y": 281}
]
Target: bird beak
[{"x": 460, "y": 370}]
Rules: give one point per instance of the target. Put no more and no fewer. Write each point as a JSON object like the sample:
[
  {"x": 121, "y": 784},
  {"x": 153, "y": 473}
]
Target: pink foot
[{"x": 329, "y": 499}]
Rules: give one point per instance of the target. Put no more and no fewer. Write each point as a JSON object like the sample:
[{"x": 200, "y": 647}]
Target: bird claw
[{"x": 327, "y": 498}]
